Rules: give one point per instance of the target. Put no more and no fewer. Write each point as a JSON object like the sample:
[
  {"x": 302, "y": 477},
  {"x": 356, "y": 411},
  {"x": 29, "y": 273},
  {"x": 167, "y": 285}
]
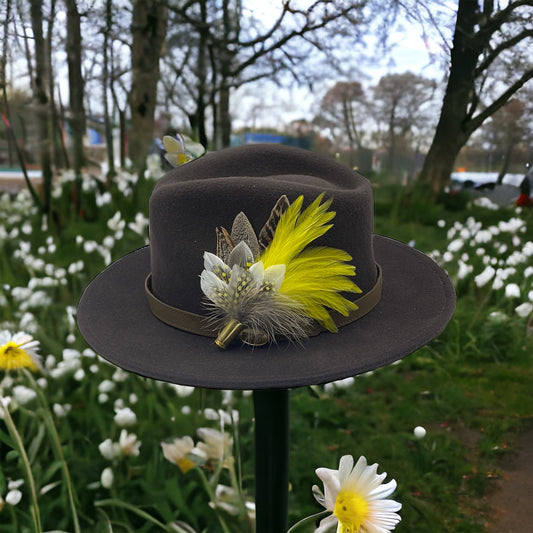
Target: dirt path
[{"x": 511, "y": 497}]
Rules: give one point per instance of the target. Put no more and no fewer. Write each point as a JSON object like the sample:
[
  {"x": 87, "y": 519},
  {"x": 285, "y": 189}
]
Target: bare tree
[
  {"x": 400, "y": 101},
  {"x": 344, "y": 112},
  {"x": 241, "y": 49},
  {"x": 491, "y": 43},
  {"x": 505, "y": 131}
]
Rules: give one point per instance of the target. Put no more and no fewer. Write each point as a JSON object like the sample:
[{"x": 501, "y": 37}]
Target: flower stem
[
  {"x": 307, "y": 519},
  {"x": 212, "y": 497},
  {"x": 50, "y": 426},
  {"x": 15, "y": 435}
]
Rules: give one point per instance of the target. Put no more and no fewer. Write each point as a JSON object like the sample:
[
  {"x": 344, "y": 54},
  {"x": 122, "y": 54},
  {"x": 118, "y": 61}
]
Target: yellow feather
[
  {"x": 295, "y": 230},
  {"x": 314, "y": 276}
]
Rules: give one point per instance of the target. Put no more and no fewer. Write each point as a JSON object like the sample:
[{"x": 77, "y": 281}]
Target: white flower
[
  {"x": 119, "y": 376},
  {"x": 103, "y": 397},
  {"x": 89, "y": 246},
  {"x": 106, "y": 386},
  {"x": 512, "y": 290},
  {"x": 483, "y": 236},
  {"x": 524, "y": 310},
  {"x": 511, "y": 226},
  {"x": 15, "y": 484},
  {"x": 182, "y": 390},
  {"x": 140, "y": 224},
  {"x": 108, "y": 242},
  {"x": 61, "y": 411},
  {"x": 107, "y": 477},
  {"x": 419, "y": 432},
  {"x": 13, "y": 497},
  {"x": 497, "y": 317},
  {"x": 356, "y": 497},
  {"x": 128, "y": 443},
  {"x": 455, "y": 245},
  {"x": 110, "y": 450},
  {"x": 216, "y": 445},
  {"x": 115, "y": 223},
  {"x": 447, "y": 257},
  {"x": 497, "y": 284},
  {"x": 464, "y": 269},
  {"x": 211, "y": 414},
  {"x": 485, "y": 276},
  {"x": 23, "y": 394},
  {"x": 18, "y": 351},
  {"x": 181, "y": 452},
  {"x": 125, "y": 417}
]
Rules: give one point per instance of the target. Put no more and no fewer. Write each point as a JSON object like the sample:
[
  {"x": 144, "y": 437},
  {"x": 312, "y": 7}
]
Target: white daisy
[
  {"x": 19, "y": 351},
  {"x": 356, "y": 497}
]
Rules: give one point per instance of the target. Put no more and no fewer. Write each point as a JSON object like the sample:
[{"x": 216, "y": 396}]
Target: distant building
[{"x": 274, "y": 138}]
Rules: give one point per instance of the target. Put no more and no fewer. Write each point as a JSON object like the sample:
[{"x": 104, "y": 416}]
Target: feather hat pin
[{"x": 277, "y": 285}]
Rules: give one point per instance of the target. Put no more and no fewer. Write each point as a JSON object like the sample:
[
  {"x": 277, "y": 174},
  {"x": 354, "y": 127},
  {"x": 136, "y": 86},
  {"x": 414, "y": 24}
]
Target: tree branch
[
  {"x": 475, "y": 122},
  {"x": 495, "y": 52}
]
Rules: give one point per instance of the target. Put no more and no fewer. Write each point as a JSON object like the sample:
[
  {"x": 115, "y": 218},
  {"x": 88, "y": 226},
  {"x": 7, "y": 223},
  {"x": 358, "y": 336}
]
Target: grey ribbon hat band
[{"x": 199, "y": 324}]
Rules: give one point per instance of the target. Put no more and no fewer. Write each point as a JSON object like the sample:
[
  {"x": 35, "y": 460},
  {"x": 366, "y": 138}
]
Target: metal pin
[{"x": 228, "y": 333}]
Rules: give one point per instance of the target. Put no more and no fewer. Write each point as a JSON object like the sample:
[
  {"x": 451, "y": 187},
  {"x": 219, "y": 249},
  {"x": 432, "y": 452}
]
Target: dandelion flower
[
  {"x": 18, "y": 351},
  {"x": 356, "y": 497}
]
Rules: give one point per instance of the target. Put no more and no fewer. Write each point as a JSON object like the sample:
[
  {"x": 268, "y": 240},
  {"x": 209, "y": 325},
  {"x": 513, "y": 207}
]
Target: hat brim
[{"x": 417, "y": 302}]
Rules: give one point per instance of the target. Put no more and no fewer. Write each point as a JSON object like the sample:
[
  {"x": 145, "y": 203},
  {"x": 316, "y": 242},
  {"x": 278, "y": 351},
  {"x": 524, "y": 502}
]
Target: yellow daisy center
[
  {"x": 12, "y": 356},
  {"x": 351, "y": 509}
]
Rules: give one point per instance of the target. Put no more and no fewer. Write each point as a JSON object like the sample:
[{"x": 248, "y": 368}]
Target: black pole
[{"x": 271, "y": 460}]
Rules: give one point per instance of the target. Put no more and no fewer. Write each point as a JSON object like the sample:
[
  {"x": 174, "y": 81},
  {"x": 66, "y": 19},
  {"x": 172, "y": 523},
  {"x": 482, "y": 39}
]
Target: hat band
[{"x": 199, "y": 324}]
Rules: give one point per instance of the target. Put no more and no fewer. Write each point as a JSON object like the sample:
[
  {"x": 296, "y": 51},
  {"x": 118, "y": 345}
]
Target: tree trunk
[
  {"x": 56, "y": 133},
  {"x": 42, "y": 99},
  {"x": 453, "y": 129},
  {"x": 149, "y": 24},
  {"x": 202, "y": 77},
  {"x": 224, "y": 118},
  {"x": 505, "y": 163},
  {"x": 105, "y": 82},
  {"x": 76, "y": 93}
]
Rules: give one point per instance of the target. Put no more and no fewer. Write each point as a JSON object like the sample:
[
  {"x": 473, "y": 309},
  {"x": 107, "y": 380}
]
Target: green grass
[{"x": 470, "y": 389}]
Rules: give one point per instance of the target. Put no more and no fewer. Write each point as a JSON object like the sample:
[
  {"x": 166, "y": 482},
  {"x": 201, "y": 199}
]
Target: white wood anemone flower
[
  {"x": 181, "y": 149},
  {"x": 357, "y": 498}
]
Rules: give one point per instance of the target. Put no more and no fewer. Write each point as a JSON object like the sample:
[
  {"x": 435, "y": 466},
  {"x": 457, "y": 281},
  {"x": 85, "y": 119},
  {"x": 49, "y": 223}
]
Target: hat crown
[{"x": 191, "y": 201}]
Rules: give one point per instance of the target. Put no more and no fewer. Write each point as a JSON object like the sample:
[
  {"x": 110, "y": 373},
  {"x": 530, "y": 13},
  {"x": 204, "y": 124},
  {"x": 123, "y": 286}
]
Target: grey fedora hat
[{"x": 165, "y": 310}]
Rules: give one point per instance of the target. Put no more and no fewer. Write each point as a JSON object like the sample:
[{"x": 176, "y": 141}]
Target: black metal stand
[{"x": 271, "y": 460}]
